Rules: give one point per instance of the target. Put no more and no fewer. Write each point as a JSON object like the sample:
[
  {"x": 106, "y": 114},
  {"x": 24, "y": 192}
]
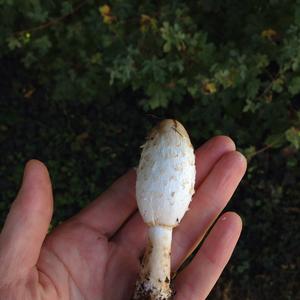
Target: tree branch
[
  {"x": 52, "y": 22},
  {"x": 267, "y": 147}
]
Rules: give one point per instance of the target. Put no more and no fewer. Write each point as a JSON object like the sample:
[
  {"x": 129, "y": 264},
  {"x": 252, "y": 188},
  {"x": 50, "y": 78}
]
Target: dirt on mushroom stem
[{"x": 154, "y": 278}]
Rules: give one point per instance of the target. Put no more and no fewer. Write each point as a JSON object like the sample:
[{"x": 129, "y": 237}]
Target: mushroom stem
[{"x": 154, "y": 281}]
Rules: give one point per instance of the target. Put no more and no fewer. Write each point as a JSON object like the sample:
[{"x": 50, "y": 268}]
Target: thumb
[{"x": 27, "y": 223}]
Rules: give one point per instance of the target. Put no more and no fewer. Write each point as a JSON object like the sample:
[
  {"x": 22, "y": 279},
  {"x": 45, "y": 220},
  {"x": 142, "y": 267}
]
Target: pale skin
[{"x": 95, "y": 255}]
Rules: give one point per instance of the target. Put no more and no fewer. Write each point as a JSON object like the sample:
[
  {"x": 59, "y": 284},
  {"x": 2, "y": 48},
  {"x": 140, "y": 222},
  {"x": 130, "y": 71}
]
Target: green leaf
[
  {"x": 155, "y": 69},
  {"x": 96, "y": 59},
  {"x": 7, "y": 2},
  {"x": 159, "y": 97},
  {"x": 29, "y": 59},
  {"x": 294, "y": 86},
  {"x": 249, "y": 152},
  {"x": 278, "y": 85},
  {"x": 276, "y": 140},
  {"x": 42, "y": 44},
  {"x": 253, "y": 88},
  {"x": 251, "y": 106},
  {"x": 66, "y": 8},
  {"x": 13, "y": 43},
  {"x": 174, "y": 37},
  {"x": 293, "y": 136}
]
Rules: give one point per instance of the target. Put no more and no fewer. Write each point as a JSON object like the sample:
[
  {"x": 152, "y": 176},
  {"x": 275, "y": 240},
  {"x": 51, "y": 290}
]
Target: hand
[{"x": 95, "y": 254}]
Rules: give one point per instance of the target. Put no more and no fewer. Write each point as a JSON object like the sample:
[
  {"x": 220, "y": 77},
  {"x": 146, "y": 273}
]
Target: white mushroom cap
[{"x": 166, "y": 175}]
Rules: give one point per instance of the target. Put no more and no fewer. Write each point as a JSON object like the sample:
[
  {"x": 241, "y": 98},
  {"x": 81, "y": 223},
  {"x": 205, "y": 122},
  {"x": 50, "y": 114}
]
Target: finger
[
  {"x": 209, "y": 153},
  {"x": 133, "y": 235},
  {"x": 208, "y": 202},
  {"x": 199, "y": 277},
  {"x": 111, "y": 209},
  {"x": 27, "y": 222}
]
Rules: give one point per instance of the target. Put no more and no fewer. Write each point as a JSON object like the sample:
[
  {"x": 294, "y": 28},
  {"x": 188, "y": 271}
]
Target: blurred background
[{"x": 83, "y": 81}]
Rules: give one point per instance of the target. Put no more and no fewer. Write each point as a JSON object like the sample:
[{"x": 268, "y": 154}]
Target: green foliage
[
  {"x": 293, "y": 136},
  {"x": 80, "y": 81},
  {"x": 166, "y": 53}
]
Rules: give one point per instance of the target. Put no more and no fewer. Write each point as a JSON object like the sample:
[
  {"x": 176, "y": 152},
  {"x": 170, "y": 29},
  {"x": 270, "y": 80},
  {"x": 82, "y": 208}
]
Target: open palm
[{"x": 96, "y": 254}]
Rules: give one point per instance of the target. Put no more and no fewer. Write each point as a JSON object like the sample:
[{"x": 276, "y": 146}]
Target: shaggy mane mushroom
[{"x": 164, "y": 189}]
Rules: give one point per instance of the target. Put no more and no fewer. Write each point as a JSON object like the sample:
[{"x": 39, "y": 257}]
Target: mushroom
[{"x": 164, "y": 189}]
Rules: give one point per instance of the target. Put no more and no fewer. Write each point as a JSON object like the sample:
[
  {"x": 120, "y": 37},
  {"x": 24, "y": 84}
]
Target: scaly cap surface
[{"x": 166, "y": 175}]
